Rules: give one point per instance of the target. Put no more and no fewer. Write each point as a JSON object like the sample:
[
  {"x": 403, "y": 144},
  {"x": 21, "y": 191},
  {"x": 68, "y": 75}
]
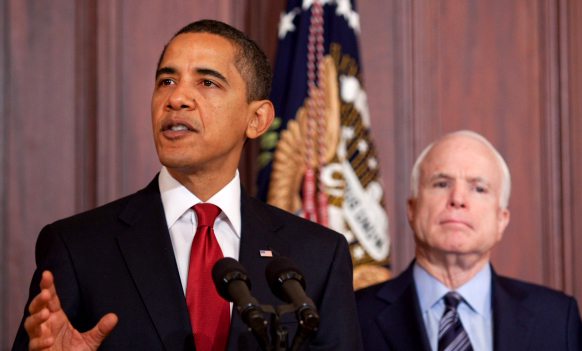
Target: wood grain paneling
[
  {"x": 571, "y": 64},
  {"x": 385, "y": 55},
  {"x": 4, "y": 83},
  {"x": 85, "y": 104},
  {"x": 551, "y": 146},
  {"x": 40, "y": 139},
  {"x": 109, "y": 120}
]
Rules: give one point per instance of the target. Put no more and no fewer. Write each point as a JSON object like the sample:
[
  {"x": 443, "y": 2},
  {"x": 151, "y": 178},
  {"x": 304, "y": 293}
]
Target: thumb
[{"x": 95, "y": 336}]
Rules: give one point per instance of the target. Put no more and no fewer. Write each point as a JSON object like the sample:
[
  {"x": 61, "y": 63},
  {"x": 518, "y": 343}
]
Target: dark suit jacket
[
  {"x": 119, "y": 258},
  {"x": 525, "y": 317}
]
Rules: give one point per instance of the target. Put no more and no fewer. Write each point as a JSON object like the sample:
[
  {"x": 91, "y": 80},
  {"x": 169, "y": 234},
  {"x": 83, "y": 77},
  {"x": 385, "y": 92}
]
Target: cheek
[{"x": 156, "y": 108}]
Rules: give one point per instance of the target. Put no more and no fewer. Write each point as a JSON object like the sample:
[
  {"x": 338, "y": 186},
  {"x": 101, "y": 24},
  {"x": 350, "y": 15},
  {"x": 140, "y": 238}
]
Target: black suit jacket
[
  {"x": 119, "y": 258},
  {"x": 525, "y": 317}
]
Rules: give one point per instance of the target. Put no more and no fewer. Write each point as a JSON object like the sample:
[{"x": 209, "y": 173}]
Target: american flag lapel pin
[{"x": 266, "y": 253}]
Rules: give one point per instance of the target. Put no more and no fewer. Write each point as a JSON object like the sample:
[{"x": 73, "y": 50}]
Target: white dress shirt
[
  {"x": 182, "y": 221},
  {"x": 474, "y": 310}
]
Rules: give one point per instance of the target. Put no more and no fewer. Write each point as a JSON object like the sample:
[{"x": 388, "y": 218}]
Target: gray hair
[{"x": 505, "y": 180}]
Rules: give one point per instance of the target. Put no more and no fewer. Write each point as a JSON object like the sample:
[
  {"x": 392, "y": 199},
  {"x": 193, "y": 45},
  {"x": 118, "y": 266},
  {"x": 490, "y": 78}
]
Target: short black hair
[{"x": 250, "y": 60}]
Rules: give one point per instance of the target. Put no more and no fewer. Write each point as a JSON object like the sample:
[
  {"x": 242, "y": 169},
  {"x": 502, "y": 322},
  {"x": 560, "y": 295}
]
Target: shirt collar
[
  {"x": 176, "y": 200},
  {"x": 476, "y": 292}
]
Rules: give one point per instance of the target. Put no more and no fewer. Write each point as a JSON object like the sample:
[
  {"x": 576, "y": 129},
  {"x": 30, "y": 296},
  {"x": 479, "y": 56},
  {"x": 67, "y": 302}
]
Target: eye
[
  {"x": 441, "y": 184},
  {"x": 165, "y": 81},
  {"x": 480, "y": 189},
  {"x": 208, "y": 83}
]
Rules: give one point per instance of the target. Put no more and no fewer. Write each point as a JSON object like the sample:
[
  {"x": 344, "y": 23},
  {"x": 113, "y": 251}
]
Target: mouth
[
  {"x": 174, "y": 128},
  {"x": 455, "y": 222}
]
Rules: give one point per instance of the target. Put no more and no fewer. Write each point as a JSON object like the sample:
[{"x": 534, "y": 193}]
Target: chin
[{"x": 176, "y": 162}]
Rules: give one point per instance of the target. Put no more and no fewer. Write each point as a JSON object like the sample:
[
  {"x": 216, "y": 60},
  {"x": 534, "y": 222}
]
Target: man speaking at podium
[{"x": 135, "y": 274}]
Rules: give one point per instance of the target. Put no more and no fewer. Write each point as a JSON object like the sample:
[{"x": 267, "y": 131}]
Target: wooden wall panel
[
  {"x": 4, "y": 290},
  {"x": 381, "y": 61},
  {"x": 571, "y": 40},
  {"x": 40, "y": 139}
]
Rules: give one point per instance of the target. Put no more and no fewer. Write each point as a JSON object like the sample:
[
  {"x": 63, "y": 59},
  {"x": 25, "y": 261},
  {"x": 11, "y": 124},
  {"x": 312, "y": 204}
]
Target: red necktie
[{"x": 209, "y": 313}]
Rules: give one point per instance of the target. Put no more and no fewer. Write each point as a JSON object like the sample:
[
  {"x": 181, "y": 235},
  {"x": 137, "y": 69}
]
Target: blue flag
[{"x": 318, "y": 159}]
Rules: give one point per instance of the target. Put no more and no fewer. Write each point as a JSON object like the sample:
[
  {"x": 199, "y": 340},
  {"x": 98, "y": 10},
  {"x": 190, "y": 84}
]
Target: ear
[
  {"x": 503, "y": 222},
  {"x": 263, "y": 114},
  {"x": 410, "y": 207}
]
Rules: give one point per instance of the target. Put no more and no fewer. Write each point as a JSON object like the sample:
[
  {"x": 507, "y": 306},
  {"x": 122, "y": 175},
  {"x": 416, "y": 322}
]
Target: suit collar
[
  {"x": 148, "y": 253},
  {"x": 510, "y": 316},
  {"x": 259, "y": 231},
  {"x": 401, "y": 321}
]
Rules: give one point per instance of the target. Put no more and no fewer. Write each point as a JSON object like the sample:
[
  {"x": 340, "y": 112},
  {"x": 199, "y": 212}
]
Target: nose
[
  {"x": 458, "y": 197},
  {"x": 182, "y": 97}
]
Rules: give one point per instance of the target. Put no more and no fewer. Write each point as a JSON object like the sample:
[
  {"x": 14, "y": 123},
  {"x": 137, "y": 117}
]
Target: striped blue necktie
[{"x": 452, "y": 336}]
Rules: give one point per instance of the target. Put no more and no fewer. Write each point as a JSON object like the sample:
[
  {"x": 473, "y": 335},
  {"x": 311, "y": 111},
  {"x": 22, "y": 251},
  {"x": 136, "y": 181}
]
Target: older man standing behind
[{"x": 450, "y": 298}]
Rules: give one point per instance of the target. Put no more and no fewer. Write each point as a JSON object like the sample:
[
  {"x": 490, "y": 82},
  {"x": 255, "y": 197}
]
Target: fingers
[
  {"x": 39, "y": 344},
  {"x": 48, "y": 283},
  {"x": 33, "y": 322},
  {"x": 38, "y": 333},
  {"x": 39, "y": 302},
  {"x": 47, "y": 280},
  {"x": 41, "y": 309},
  {"x": 47, "y": 298},
  {"x": 95, "y": 336}
]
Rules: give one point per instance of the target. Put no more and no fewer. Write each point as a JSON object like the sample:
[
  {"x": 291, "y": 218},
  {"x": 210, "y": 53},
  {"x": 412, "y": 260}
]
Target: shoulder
[
  {"x": 368, "y": 298},
  {"x": 292, "y": 225},
  {"x": 387, "y": 292},
  {"x": 532, "y": 294},
  {"x": 98, "y": 214},
  {"x": 113, "y": 216}
]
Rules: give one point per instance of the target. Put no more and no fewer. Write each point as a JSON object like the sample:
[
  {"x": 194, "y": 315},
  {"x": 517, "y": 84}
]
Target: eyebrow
[
  {"x": 165, "y": 70},
  {"x": 439, "y": 176},
  {"x": 480, "y": 180},
  {"x": 201, "y": 71},
  {"x": 471, "y": 179},
  {"x": 212, "y": 73}
]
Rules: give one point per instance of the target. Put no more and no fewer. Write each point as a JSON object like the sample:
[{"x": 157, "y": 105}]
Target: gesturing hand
[{"x": 49, "y": 328}]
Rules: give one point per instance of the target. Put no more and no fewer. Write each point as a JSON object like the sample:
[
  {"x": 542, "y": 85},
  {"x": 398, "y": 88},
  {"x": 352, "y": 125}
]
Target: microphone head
[
  {"x": 279, "y": 270},
  {"x": 226, "y": 270}
]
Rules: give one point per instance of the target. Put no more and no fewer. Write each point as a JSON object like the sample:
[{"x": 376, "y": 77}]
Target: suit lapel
[
  {"x": 401, "y": 322},
  {"x": 258, "y": 232},
  {"x": 511, "y": 320},
  {"x": 147, "y": 250}
]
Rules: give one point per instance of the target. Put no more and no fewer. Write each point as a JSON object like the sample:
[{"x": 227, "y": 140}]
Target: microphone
[
  {"x": 287, "y": 283},
  {"x": 233, "y": 284}
]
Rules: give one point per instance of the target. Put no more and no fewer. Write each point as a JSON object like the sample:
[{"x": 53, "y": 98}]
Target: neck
[
  {"x": 201, "y": 184},
  {"x": 451, "y": 269}
]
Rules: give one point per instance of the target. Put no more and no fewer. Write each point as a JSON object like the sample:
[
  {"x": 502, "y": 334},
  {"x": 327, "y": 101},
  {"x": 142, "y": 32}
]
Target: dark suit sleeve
[
  {"x": 52, "y": 254},
  {"x": 339, "y": 329},
  {"x": 574, "y": 331}
]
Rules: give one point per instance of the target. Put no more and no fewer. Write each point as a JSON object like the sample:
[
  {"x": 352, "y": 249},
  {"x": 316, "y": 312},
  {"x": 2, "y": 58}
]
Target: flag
[{"x": 318, "y": 159}]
